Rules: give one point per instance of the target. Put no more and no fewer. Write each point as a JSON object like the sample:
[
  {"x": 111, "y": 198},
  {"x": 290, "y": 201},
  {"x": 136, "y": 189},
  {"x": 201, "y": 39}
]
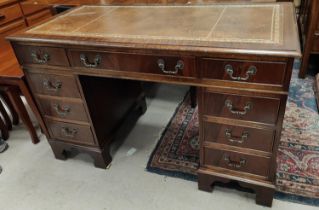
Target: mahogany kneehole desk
[{"x": 239, "y": 58}]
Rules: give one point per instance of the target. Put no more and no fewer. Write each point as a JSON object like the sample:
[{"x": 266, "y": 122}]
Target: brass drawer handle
[
  {"x": 69, "y": 132},
  {"x": 61, "y": 111},
  {"x": 86, "y": 63},
  {"x": 233, "y": 139},
  {"x": 235, "y": 164},
  {"x": 37, "y": 59},
  {"x": 179, "y": 66},
  {"x": 246, "y": 109},
  {"x": 252, "y": 70},
  {"x": 52, "y": 86}
]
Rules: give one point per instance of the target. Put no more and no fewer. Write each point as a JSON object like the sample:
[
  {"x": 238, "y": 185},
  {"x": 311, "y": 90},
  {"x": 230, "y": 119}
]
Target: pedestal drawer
[
  {"x": 264, "y": 72},
  {"x": 76, "y": 133},
  {"x": 245, "y": 137},
  {"x": 28, "y": 54},
  {"x": 53, "y": 84},
  {"x": 256, "y": 165},
  {"x": 166, "y": 65},
  {"x": 71, "y": 109},
  {"x": 250, "y": 108}
]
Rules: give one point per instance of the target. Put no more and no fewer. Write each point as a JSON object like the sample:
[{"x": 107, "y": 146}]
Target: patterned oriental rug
[{"x": 177, "y": 152}]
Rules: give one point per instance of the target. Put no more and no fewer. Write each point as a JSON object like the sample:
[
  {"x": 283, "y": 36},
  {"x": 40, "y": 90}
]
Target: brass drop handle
[
  {"x": 235, "y": 164},
  {"x": 243, "y": 112},
  {"x": 61, "y": 111},
  {"x": 2, "y": 16},
  {"x": 52, "y": 86},
  {"x": 179, "y": 66},
  {"x": 86, "y": 63},
  {"x": 37, "y": 59},
  {"x": 233, "y": 139},
  {"x": 69, "y": 132},
  {"x": 252, "y": 70}
]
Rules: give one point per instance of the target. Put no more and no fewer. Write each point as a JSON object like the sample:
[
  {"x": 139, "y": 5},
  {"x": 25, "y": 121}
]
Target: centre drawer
[
  {"x": 53, "y": 84},
  {"x": 264, "y": 72},
  {"x": 257, "y": 165},
  {"x": 242, "y": 107},
  {"x": 245, "y": 137},
  {"x": 164, "y": 65},
  {"x": 70, "y": 132},
  {"x": 71, "y": 109}
]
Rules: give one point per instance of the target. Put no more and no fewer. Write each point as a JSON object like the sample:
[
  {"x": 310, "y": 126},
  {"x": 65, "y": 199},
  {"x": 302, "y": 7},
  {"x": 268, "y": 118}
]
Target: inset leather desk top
[{"x": 244, "y": 28}]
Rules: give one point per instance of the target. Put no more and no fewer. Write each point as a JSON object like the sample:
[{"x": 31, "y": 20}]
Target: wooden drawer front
[
  {"x": 316, "y": 43},
  {"x": 54, "y": 85},
  {"x": 10, "y": 13},
  {"x": 11, "y": 28},
  {"x": 71, "y": 132},
  {"x": 258, "y": 109},
  {"x": 244, "y": 71},
  {"x": 252, "y": 138},
  {"x": 181, "y": 66},
  {"x": 64, "y": 109},
  {"x": 256, "y": 165},
  {"x": 41, "y": 55},
  {"x": 29, "y": 8},
  {"x": 38, "y": 17}
]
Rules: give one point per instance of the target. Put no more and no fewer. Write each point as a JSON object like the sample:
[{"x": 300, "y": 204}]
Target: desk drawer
[
  {"x": 71, "y": 132},
  {"x": 71, "y": 109},
  {"x": 263, "y": 72},
  {"x": 10, "y": 13},
  {"x": 38, "y": 17},
  {"x": 250, "y": 108},
  {"x": 164, "y": 65},
  {"x": 252, "y": 138},
  {"x": 256, "y": 165},
  {"x": 32, "y": 6},
  {"x": 54, "y": 85},
  {"x": 54, "y": 56},
  {"x": 316, "y": 43},
  {"x": 11, "y": 28}
]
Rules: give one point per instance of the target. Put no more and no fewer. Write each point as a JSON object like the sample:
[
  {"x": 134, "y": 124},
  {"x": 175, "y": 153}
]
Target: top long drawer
[
  {"x": 245, "y": 71},
  {"x": 151, "y": 64}
]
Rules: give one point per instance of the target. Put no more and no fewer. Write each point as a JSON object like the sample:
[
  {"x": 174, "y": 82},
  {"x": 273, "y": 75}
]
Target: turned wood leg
[
  {"x": 25, "y": 91},
  {"x": 4, "y": 130},
  {"x": 14, "y": 114},
  {"x": 14, "y": 95},
  {"x": 5, "y": 116},
  {"x": 193, "y": 96},
  {"x": 264, "y": 196}
]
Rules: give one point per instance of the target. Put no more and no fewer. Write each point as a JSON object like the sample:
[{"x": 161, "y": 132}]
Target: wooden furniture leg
[
  {"x": 4, "y": 130},
  {"x": 193, "y": 96},
  {"x": 14, "y": 95},
  {"x": 14, "y": 114},
  {"x": 5, "y": 116},
  {"x": 264, "y": 192},
  {"x": 26, "y": 93}
]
